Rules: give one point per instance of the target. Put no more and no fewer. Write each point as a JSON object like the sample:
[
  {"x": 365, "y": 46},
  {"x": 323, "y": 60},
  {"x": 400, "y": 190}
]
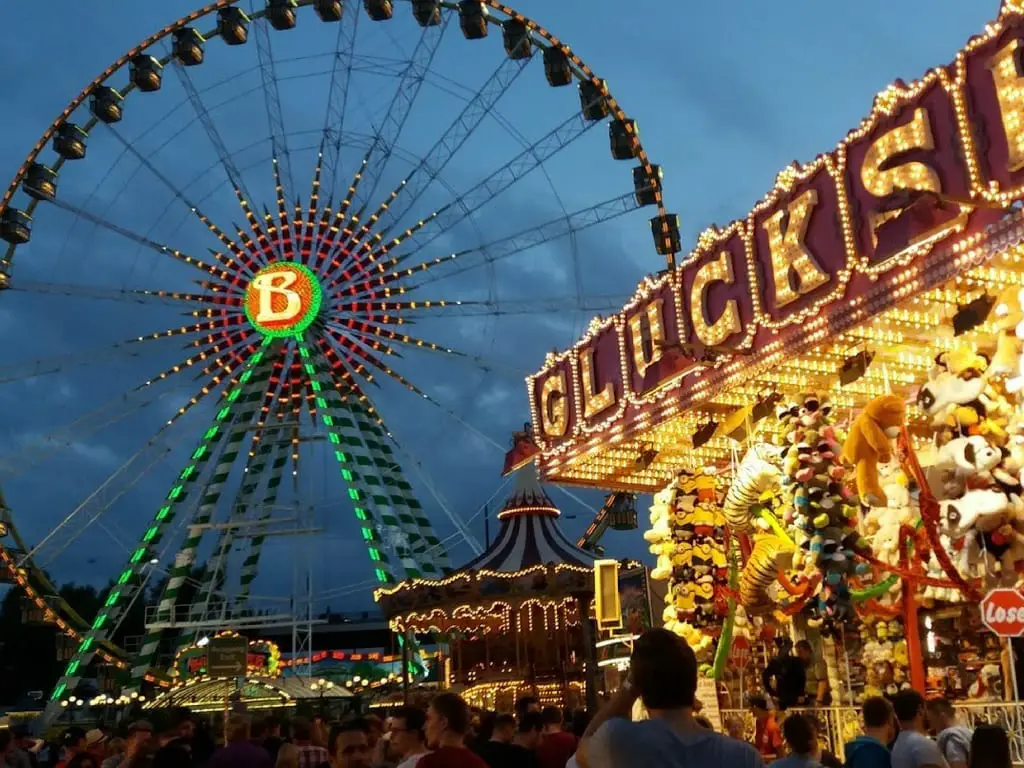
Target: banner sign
[{"x": 843, "y": 237}]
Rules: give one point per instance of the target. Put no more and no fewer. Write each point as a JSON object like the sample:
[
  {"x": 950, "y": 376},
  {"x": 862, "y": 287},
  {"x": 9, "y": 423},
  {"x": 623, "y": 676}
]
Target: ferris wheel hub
[{"x": 283, "y": 299}]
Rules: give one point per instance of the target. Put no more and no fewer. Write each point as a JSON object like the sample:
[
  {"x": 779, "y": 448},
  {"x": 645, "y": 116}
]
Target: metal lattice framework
[{"x": 297, "y": 312}]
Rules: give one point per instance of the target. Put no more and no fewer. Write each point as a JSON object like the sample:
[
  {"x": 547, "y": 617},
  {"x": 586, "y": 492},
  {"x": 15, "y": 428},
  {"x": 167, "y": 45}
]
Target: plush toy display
[
  {"x": 870, "y": 443},
  {"x": 756, "y": 473},
  {"x": 975, "y": 472},
  {"x": 687, "y": 535},
  {"x": 881, "y": 526},
  {"x": 818, "y": 506}
]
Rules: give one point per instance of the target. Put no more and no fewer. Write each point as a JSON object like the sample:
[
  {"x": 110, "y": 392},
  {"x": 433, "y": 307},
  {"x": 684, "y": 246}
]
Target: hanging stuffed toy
[{"x": 869, "y": 443}]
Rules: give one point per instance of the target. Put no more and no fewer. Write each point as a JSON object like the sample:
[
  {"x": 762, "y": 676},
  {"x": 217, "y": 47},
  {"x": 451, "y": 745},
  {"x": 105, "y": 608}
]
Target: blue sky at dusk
[{"x": 726, "y": 95}]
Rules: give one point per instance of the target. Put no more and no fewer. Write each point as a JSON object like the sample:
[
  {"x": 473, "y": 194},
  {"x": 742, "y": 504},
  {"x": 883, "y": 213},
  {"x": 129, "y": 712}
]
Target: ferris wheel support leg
[
  {"x": 435, "y": 562},
  {"x": 248, "y": 405},
  {"x": 250, "y": 566},
  {"x": 128, "y": 581},
  {"x": 355, "y": 475},
  {"x": 216, "y": 572}
]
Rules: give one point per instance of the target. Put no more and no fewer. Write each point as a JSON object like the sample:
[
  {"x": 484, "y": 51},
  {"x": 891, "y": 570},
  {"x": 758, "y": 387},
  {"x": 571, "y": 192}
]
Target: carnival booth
[
  {"x": 510, "y": 618},
  {"x": 825, "y": 399}
]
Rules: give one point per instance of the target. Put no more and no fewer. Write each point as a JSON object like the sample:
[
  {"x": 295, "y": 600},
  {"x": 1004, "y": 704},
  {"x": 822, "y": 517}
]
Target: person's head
[
  {"x": 783, "y": 645},
  {"x": 941, "y": 714},
  {"x": 139, "y": 732},
  {"x": 804, "y": 652},
  {"x": 734, "y": 727},
  {"x": 664, "y": 671},
  {"x": 73, "y": 740},
  {"x": 531, "y": 727},
  {"x": 83, "y": 760},
  {"x": 910, "y": 711},
  {"x": 580, "y": 721},
  {"x": 990, "y": 747},
  {"x": 374, "y": 729},
  {"x": 526, "y": 704},
  {"x": 408, "y": 731},
  {"x": 504, "y": 728},
  {"x": 272, "y": 727},
  {"x": 447, "y": 720},
  {"x": 349, "y": 745},
  {"x": 302, "y": 729},
  {"x": 879, "y": 720},
  {"x": 116, "y": 746},
  {"x": 552, "y": 719},
  {"x": 239, "y": 727},
  {"x": 801, "y": 735},
  {"x": 287, "y": 756},
  {"x": 96, "y": 741},
  {"x": 182, "y": 724},
  {"x": 759, "y": 707}
]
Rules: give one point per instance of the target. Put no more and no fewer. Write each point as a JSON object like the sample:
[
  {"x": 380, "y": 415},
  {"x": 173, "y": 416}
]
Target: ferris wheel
[{"x": 257, "y": 251}]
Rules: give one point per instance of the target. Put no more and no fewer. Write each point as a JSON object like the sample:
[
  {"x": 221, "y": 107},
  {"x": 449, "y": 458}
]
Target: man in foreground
[
  {"x": 953, "y": 739},
  {"x": 801, "y": 737},
  {"x": 409, "y": 736},
  {"x": 871, "y": 749},
  {"x": 913, "y": 748},
  {"x": 447, "y": 726},
  {"x": 557, "y": 745},
  {"x": 240, "y": 752},
  {"x": 349, "y": 745},
  {"x": 663, "y": 676}
]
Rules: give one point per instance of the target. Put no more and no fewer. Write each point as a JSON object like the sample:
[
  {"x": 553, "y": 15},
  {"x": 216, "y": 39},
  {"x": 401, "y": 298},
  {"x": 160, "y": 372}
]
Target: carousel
[{"x": 510, "y": 618}]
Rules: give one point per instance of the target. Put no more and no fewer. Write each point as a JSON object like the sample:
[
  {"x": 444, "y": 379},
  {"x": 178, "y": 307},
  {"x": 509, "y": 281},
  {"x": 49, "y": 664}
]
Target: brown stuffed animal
[{"x": 868, "y": 444}]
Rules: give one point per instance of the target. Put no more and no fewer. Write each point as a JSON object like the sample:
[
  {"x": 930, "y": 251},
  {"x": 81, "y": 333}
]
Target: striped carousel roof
[{"x": 529, "y": 534}]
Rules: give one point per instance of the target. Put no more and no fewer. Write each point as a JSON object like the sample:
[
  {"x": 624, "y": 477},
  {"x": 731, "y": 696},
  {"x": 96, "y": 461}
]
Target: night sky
[{"x": 725, "y": 94}]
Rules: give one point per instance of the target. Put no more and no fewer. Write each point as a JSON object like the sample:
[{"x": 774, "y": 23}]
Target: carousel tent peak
[{"x": 528, "y": 498}]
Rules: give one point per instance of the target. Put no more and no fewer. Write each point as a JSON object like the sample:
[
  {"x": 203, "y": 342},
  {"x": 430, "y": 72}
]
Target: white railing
[{"x": 839, "y": 725}]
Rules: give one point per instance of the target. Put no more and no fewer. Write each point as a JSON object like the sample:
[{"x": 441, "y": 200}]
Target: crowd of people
[{"x": 906, "y": 732}]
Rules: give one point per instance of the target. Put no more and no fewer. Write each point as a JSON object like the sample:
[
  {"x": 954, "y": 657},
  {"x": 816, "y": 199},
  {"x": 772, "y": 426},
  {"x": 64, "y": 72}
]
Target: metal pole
[
  {"x": 589, "y": 653},
  {"x": 1013, "y": 667},
  {"x": 405, "y": 669},
  {"x": 487, "y": 527}
]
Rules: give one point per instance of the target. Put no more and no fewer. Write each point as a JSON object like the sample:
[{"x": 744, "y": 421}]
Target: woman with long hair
[{"x": 990, "y": 747}]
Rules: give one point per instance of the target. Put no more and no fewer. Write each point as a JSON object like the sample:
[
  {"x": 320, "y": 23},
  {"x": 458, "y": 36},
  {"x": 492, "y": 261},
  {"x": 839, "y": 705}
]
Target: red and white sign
[
  {"x": 739, "y": 651},
  {"x": 1002, "y": 610}
]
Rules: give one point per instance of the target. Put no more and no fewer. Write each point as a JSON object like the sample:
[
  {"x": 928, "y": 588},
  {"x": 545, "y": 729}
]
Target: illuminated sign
[
  {"x": 835, "y": 241},
  {"x": 282, "y": 299}
]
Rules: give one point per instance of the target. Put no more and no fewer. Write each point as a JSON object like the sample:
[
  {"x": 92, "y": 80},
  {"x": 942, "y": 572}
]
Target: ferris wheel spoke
[
  {"x": 210, "y": 128},
  {"x": 228, "y": 243},
  {"x": 226, "y": 276},
  {"x": 413, "y": 310},
  {"x": 272, "y": 101},
  {"x": 362, "y": 350},
  {"x": 455, "y": 136},
  {"x": 529, "y": 159},
  {"x": 337, "y": 100},
  {"x": 369, "y": 253},
  {"x": 99, "y": 501},
  {"x": 127, "y": 295},
  {"x": 522, "y": 241},
  {"x": 398, "y": 110}
]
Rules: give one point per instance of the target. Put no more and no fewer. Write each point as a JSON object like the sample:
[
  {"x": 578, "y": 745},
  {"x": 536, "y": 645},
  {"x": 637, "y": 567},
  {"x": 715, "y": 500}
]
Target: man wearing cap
[
  {"x": 74, "y": 743},
  {"x": 139, "y": 733}
]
